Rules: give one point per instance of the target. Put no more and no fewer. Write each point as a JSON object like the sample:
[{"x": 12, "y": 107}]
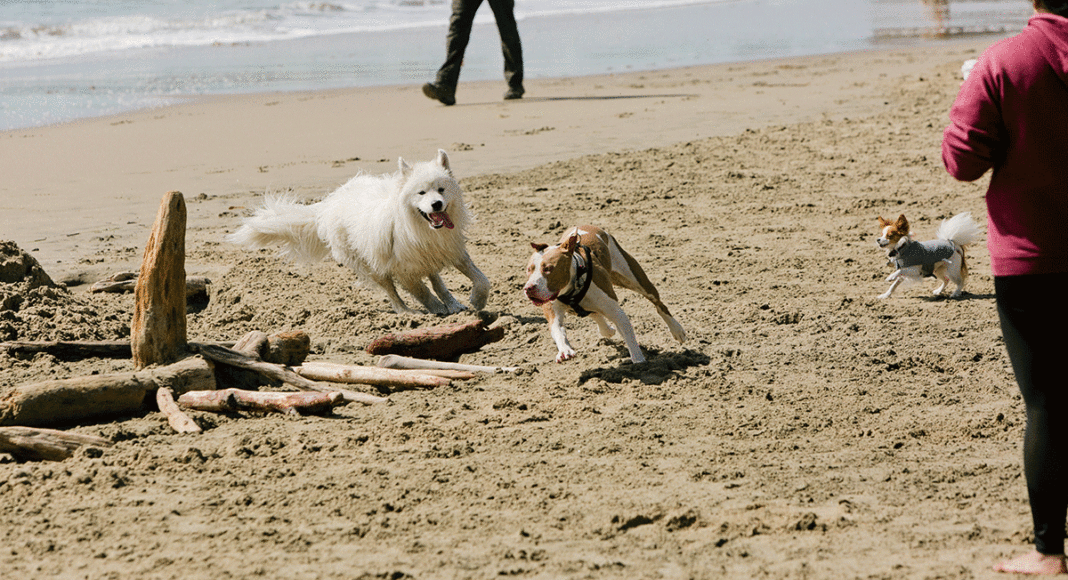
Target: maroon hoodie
[{"x": 1012, "y": 115}]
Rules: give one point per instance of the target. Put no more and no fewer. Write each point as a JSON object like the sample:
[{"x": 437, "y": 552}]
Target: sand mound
[{"x": 33, "y": 307}]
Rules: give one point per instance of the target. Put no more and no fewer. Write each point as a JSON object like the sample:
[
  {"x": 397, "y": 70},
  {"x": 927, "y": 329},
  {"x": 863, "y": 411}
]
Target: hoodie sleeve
[{"x": 971, "y": 142}]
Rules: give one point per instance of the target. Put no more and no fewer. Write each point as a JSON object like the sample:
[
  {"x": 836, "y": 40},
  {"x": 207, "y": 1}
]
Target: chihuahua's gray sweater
[{"x": 924, "y": 254}]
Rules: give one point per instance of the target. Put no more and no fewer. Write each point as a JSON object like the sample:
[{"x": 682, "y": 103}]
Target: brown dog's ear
[
  {"x": 902, "y": 222},
  {"x": 539, "y": 247},
  {"x": 571, "y": 243},
  {"x": 882, "y": 222}
]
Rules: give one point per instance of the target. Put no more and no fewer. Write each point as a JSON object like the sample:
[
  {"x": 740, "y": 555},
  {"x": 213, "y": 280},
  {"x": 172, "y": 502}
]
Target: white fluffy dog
[{"x": 395, "y": 229}]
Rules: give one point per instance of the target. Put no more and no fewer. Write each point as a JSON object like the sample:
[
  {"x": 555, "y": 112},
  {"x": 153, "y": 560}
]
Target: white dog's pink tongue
[{"x": 440, "y": 218}]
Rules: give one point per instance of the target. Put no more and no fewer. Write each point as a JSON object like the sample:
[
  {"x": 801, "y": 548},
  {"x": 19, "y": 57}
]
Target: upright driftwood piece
[
  {"x": 157, "y": 333},
  {"x": 66, "y": 401},
  {"x": 29, "y": 444}
]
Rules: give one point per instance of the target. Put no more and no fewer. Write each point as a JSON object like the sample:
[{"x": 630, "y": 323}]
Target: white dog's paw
[
  {"x": 404, "y": 309},
  {"x": 566, "y": 354},
  {"x": 478, "y": 299},
  {"x": 884, "y": 295},
  {"x": 454, "y": 307}
]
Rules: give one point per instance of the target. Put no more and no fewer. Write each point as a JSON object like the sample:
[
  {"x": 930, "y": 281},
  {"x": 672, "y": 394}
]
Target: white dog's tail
[
  {"x": 960, "y": 229},
  {"x": 284, "y": 223}
]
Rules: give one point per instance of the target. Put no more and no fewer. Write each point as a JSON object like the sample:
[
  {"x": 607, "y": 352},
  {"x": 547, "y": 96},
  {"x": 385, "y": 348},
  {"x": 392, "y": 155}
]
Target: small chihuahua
[{"x": 941, "y": 258}]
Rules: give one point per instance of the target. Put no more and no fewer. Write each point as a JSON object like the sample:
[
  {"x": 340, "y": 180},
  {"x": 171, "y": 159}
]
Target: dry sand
[{"x": 806, "y": 429}]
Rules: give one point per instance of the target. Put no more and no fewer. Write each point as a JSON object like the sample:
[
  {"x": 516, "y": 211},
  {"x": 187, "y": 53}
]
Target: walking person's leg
[
  {"x": 1033, "y": 316},
  {"x": 511, "y": 47},
  {"x": 444, "y": 87}
]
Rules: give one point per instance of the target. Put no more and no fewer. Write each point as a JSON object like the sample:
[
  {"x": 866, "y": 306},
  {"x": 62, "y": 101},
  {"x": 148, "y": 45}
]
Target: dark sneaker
[
  {"x": 438, "y": 93},
  {"x": 513, "y": 94}
]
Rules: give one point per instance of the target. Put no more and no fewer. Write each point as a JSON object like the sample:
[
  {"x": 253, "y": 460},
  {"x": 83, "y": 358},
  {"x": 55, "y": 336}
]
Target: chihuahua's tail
[{"x": 960, "y": 229}]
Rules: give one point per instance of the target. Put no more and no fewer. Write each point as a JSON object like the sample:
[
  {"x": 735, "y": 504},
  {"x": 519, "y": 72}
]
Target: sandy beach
[{"x": 805, "y": 430}]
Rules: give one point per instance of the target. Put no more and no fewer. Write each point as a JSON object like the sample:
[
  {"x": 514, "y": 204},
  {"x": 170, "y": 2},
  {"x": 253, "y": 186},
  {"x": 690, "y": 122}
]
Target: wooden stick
[
  {"x": 27, "y": 443},
  {"x": 69, "y": 350},
  {"x": 127, "y": 282},
  {"x": 254, "y": 345},
  {"x": 65, "y": 401},
  {"x": 178, "y": 420},
  {"x": 229, "y": 400},
  {"x": 392, "y": 361},
  {"x": 444, "y": 373},
  {"x": 279, "y": 372},
  {"x": 383, "y": 379},
  {"x": 76, "y": 349},
  {"x": 284, "y": 348},
  {"x": 157, "y": 332}
]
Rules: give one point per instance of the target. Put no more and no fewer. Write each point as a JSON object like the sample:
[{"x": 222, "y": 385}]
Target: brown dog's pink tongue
[{"x": 441, "y": 218}]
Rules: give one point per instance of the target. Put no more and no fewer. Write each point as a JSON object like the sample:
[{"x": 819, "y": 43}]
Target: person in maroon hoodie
[{"x": 1011, "y": 116}]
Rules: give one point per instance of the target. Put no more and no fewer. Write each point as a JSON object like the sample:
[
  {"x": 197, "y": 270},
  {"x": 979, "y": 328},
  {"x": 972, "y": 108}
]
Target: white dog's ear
[
  {"x": 443, "y": 160},
  {"x": 405, "y": 169}
]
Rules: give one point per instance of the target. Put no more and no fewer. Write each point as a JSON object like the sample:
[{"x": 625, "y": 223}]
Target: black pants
[
  {"x": 463, "y": 15},
  {"x": 1034, "y": 321}
]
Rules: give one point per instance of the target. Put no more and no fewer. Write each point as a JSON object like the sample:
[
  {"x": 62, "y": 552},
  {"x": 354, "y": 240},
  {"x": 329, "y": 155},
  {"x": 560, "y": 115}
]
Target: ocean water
[{"x": 63, "y": 60}]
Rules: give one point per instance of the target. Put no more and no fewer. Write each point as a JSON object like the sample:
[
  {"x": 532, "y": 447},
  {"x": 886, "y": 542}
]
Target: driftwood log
[
  {"x": 158, "y": 332},
  {"x": 66, "y": 401},
  {"x": 176, "y": 418},
  {"x": 439, "y": 342},
  {"x": 75, "y": 350},
  {"x": 284, "y": 348},
  {"x": 30, "y": 444},
  {"x": 385, "y": 380},
  {"x": 231, "y": 400},
  {"x": 279, "y": 372},
  {"x": 393, "y": 361},
  {"x": 69, "y": 350},
  {"x": 195, "y": 286}
]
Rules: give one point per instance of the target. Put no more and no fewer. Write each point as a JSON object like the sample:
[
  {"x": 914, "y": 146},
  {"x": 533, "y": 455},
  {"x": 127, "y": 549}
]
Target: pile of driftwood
[{"x": 176, "y": 374}]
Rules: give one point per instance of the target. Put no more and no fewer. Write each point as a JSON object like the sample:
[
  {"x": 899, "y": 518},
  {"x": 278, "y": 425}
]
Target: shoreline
[
  {"x": 50, "y": 91},
  {"x": 100, "y": 178}
]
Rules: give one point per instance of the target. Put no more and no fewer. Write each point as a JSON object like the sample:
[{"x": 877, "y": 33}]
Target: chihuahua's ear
[
  {"x": 883, "y": 222},
  {"x": 538, "y": 247},
  {"x": 902, "y": 222}
]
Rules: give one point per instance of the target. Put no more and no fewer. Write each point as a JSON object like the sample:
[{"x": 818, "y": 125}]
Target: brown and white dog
[
  {"x": 578, "y": 275},
  {"x": 941, "y": 258}
]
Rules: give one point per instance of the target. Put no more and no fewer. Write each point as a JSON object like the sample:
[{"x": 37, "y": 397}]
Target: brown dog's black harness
[{"x": 583, "y": 278}]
